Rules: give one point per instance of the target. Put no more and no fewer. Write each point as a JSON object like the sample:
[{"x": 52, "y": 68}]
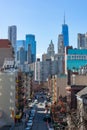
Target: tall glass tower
[
  {"x": 19, "y": 44},
  {"x": 20, "y": 51},
  {"x": 65, "y": 33},
  {"x": 30, "y": 41},
  {"x": 12, "y": 35}
]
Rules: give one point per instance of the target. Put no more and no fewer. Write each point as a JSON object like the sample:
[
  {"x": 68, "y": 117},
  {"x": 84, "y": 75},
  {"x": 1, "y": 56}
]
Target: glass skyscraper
[
  {"x": 82, "y": 41},
  {"x": 30, "y": 41},
  {"x": 12, "y": 35},
  {"x": 21, "y": 54},
  {"x": 65, "y": 33},
  {"x": 19, "y": 44}
]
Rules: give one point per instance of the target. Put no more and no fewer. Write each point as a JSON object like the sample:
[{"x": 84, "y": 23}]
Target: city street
[{"x": 38, "y": 123}]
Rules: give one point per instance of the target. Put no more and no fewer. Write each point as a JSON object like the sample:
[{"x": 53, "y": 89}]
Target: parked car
[
  {"x": 31, "y": 118},
  {"x": 30, "y": 121},
  {"x": 28, "y": 128},
  {"x": 29, "y": 124}
]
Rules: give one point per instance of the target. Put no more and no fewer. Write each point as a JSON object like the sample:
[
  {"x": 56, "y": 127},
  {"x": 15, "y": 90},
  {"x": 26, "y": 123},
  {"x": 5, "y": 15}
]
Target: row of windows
[{"x": 83, "y": 57}]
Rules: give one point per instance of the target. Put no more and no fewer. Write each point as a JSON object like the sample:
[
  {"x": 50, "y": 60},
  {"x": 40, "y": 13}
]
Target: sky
[{"x": 44, "y": 19}]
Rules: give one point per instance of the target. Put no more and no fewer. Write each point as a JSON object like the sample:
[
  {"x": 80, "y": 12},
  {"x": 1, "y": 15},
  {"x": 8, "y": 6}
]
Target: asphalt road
[
  {"x": 38, "y": 123},
  {"x": 5, "y": 128}
]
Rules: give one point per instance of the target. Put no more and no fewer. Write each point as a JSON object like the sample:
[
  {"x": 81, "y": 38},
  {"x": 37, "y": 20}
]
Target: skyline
[{"x": 44, "y": 19}]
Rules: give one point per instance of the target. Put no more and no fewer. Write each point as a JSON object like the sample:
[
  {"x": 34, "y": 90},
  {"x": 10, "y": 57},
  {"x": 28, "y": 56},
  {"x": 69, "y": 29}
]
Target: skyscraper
[
  {"x": 50, "y": 49},
  {"x": 60, "y": 44},
  {"x": 12, "y": 35},
  {"x": 20, "y": 52},
  {"x": 30, "y": 40},
  {"x": 20, "y": 43},
  {"x": 21, "y": 56},
  {"x": 29, "y": 58},
  {"x": 82, "y": 41},
  {"x": 65, "y": 33}
]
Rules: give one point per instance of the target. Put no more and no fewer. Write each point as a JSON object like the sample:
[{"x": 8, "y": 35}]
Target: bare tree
[{"x": 76, "y": 121}]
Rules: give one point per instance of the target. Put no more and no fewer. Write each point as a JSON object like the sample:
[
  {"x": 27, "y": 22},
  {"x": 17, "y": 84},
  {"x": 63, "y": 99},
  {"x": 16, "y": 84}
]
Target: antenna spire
[{"x": 64, "y": 17}]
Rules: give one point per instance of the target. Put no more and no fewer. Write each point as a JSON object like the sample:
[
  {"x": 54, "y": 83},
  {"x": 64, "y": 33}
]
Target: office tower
[
  {"x": 60, "y": 44},
  {"x": 50, "y": 52},
  {"x": 50, "y": 49},
  {"x": 29, "y": 58},
  {"x": 21, "y": 56},
  {"x": 65, "y": 33},
  {"x": 30, "y": 40},
  {"x": 20, "y": 45},
  {"x": 12, "y": 35},
  {"x": 82, "y": 41}
]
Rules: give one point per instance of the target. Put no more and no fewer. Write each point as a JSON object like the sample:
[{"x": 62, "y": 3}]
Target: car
[
  {"x": 32, "y": 114},
  {"x": 31, "y": 118},
  {"x": 30, "y": 121},
  {"x": 40, "y": 104},
  {"x": 33, "y": 111},
  {"x": 28, "y": 128},
  {"x": 35, "y": 100},
  {"x": 51, "y": 128},
  {"x": 29, "y": 124}
]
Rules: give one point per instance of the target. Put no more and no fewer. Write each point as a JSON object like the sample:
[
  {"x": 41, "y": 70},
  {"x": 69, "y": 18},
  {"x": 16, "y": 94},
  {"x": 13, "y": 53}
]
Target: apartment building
[
  {"x": 7, "y": 97},
  {"x": 15, "y": 90},
  {"x": 76, "y": 83},
  {"x": 57, "y": 86},
  {"x": 6, "y": 50}
]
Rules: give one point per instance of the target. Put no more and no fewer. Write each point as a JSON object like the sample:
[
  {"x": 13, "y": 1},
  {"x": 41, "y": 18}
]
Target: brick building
[{"x": 6, "y": 50}]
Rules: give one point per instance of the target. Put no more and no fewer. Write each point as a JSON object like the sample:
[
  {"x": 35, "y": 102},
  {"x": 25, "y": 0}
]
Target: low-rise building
[
  {"x": 75, "y": 84},
  {"x": 74, "y": 59}
]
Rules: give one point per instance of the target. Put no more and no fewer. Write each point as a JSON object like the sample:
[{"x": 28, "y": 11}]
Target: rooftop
[
  {"x": 5, "y": 43},
  {"x": 77, "y": 51},
  {"x": 82, "y": 92}
]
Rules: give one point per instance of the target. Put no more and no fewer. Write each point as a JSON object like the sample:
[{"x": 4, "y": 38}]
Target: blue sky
[{"x": 43, "y": 18}]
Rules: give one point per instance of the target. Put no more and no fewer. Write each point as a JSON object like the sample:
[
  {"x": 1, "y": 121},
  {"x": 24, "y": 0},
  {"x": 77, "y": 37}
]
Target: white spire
[{"x": 64, "y": 17}]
